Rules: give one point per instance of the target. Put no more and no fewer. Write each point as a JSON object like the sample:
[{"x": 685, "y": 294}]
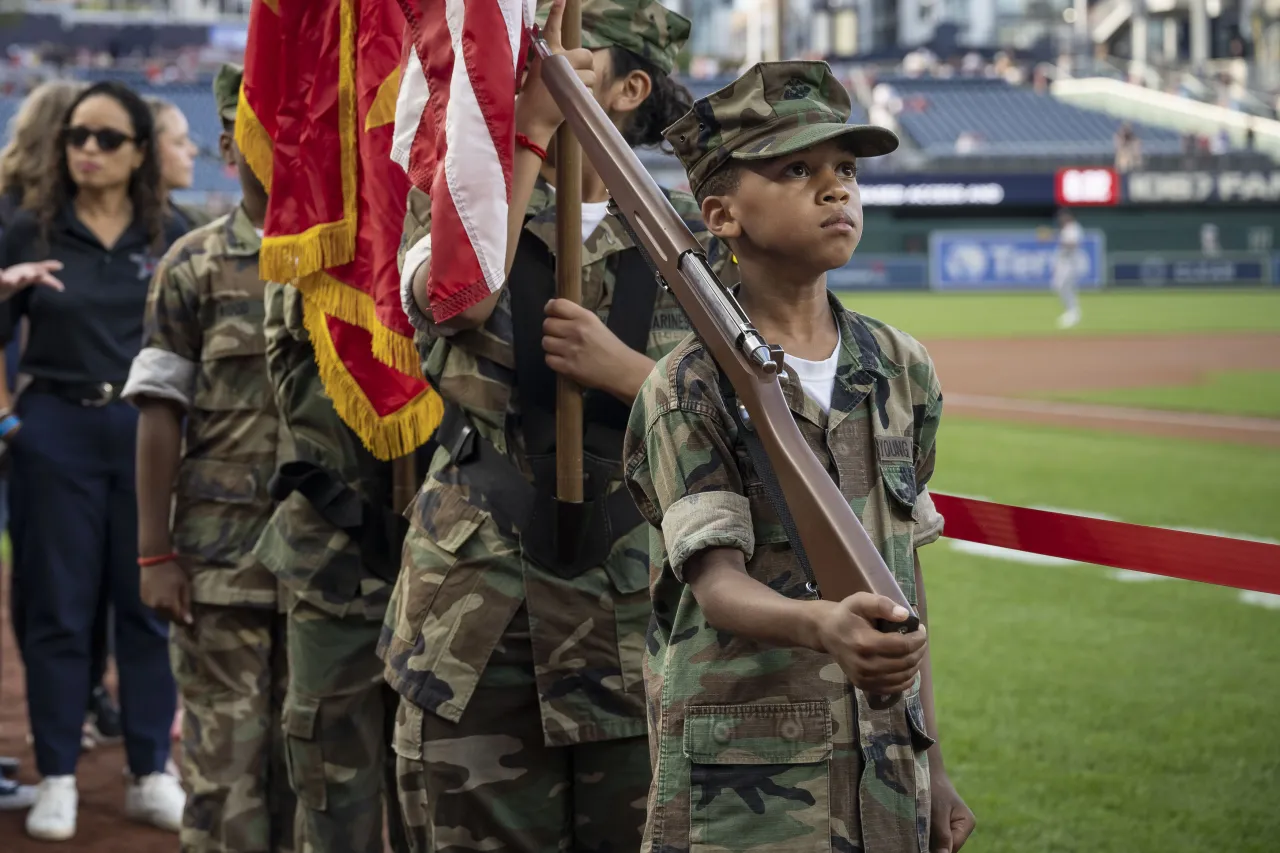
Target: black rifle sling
[{"x": 764, "y": 470}]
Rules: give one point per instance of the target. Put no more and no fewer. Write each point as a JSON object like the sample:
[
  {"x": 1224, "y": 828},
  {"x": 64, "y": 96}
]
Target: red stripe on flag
[
  {"x": 1220, "y": 560},
  {"x": 484, "y": 47}
]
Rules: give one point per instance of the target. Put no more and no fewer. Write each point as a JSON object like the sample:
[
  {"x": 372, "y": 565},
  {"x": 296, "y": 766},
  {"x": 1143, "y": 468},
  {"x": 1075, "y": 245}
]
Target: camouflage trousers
[
  {"x": 490, "y": 783},
  {"x": 337, "y": 721},
  {"x": 230, "y": 666}
]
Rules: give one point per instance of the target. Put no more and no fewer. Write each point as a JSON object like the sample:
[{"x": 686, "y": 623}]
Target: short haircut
[{"x": 723, "y": 181}]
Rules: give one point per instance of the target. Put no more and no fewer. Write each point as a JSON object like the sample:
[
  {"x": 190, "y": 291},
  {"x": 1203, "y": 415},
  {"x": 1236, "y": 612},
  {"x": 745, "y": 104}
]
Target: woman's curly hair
[{"x": 149, "y": 205}]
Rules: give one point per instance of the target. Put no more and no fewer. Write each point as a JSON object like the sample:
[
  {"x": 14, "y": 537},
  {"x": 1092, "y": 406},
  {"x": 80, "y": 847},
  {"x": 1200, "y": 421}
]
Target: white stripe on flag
[
  {"x": 411, "y": 102},
  {"x": 474, "y": 173}
]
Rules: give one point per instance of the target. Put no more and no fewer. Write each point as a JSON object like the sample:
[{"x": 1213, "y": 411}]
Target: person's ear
[{"x": 718, "y": 215}]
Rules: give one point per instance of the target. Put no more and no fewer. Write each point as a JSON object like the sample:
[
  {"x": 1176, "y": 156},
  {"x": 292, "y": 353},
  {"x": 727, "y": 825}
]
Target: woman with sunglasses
[{"x": 77, "y": 266}]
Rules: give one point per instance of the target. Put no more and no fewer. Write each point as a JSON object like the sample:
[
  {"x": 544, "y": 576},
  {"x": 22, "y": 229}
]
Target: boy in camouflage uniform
[
  {"x": 204, "y": 361},
  {"x": 761, "y": 733},
  {"x": 521, "y": 725},
  {"x": 332, "y": 544}
]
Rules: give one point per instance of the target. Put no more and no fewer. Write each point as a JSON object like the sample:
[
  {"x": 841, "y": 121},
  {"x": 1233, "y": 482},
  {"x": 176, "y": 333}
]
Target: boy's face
[
  {"x": 801, "y": 209},
  {"x": 249, "y": 183}
]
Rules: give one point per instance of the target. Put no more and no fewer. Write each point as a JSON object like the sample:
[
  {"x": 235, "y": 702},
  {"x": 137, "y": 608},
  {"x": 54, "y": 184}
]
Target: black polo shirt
[{"x": 90, "y": 332}]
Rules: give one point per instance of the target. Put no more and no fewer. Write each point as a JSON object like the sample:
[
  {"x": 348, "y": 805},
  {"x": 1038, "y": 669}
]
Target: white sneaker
[
  {"x": 53, "y": 817},
  {"x": 157, "y": 799},
  {"x": 1069, "y": 319},
  {"x": 15, "y": 797}
]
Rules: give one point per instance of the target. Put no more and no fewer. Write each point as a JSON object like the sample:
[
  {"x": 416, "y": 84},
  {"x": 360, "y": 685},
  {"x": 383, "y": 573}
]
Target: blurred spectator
[
  {"x": 1250, "y": 138},
  {"x": 99, "y": 222},
  {"x": 1220, "y": 142},
  {"x": 1128, "y": 149},
  {"x": 24, "y": 167},
  {"x": 1209, "y": 244},
  {"x": 177, "y": 158},
  {"x": 967, "y": 142}
]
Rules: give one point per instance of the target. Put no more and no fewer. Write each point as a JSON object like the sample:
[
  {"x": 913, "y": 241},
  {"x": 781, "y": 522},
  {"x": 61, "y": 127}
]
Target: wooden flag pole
[{"x": 569, "y": 486}]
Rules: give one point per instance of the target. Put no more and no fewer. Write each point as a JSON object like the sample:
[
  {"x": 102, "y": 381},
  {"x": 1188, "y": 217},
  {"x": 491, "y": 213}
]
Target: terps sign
[
  {"x": 1086, "y": 187},
  {"x": 1008, "y": 260}
]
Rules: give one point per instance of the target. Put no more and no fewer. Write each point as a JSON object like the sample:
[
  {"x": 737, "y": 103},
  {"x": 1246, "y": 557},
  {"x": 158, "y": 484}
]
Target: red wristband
[
  {"x": 145, "y": 562},
  {"x": 524, "y": 142}
]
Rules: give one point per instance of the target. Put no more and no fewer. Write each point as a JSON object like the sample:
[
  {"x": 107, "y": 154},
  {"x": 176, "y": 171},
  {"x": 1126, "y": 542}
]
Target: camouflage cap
[
  {"x": 226, "y": 90},
  {"x": 775, "y": 108},
  {"x": 645, "y": 27}
]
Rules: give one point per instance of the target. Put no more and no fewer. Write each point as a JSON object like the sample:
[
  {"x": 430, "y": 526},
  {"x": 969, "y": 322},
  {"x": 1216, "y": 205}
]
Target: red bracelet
[
  {"x": 524, "y": 142},
  {"x": 145, "y": 562}
]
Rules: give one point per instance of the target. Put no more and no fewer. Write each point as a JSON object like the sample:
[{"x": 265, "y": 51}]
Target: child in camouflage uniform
[
  {"x": 760, "y": 730},
  {"x": 521, "y": 724},
  {"x": 204, "y": 362}
]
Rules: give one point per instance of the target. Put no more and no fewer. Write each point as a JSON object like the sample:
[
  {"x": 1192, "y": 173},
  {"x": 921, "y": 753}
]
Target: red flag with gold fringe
[{"x": 320, "y": 86}]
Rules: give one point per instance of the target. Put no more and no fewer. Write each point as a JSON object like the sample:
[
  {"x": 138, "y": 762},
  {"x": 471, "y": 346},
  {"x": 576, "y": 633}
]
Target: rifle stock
[{"x": 843, "y": 557}]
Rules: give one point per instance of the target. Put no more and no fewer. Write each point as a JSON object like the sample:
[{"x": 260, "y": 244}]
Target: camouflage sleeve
[
  {"x": 173, "y": 335},
  {"x": 683, "y": 473},
  {"x": 929, "y": 521},
  {"x": 415, "y": 250}
]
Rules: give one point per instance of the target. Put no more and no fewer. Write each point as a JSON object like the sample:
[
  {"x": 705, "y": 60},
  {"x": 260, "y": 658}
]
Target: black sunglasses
[{"x": 108, "y": 140}]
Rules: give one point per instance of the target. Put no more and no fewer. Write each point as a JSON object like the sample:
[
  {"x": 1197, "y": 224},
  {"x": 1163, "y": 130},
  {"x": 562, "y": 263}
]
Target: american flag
[{"x": 454, "y": 132}]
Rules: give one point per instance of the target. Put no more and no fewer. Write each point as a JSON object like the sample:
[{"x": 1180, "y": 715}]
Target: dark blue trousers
[{"x": 75, "y": 527}]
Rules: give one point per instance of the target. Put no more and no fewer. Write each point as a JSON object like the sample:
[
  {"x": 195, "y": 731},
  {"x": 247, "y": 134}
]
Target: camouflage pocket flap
[
  {"x": 445, "y": 516},
  {"x": 793, "y": 733},
  {"x": 920, "y": 737},
  {"x": 899, "y": 482},
  {"x": 219, "y": 481},
  {"x": 300, "y": 714}
]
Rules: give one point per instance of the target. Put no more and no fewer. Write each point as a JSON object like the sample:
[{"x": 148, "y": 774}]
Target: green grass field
[
  {"x": 979, "y": 315},
  {"x": 1079, "y": 713},
  {"x": 1236, "y": 392}
]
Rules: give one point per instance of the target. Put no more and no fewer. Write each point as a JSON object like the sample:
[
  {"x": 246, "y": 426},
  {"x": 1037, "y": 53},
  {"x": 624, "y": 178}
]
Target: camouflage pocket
[
  {"x": 304, "y": 756},
  {"x": 759, "y": 777},
  {"x": 233, "y": 370},
  {"x": 441, "y": 524},
  {"x": 219, "y": 512}
]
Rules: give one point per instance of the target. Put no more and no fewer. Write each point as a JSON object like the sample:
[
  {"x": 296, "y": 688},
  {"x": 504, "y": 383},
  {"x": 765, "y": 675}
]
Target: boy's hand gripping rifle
[{"x": 842, "y": 556}]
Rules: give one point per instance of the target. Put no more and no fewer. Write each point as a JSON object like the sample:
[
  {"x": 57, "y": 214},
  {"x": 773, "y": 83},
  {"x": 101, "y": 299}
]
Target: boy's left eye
[{"x": 848, "y": 170}]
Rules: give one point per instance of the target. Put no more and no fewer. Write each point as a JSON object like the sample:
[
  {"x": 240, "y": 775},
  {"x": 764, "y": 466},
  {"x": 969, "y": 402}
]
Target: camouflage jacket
[
  {"x": 313, "y": 560},
  {"x": 204, "y": 349},
  {"x": 765, "y": 747},
  {"x": 464, "y": 577}
]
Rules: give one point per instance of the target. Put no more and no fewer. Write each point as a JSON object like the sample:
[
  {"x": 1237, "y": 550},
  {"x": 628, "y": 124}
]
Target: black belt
[
  {"x": 566, "y": 539},
  {"x": 94, "y": 394}
]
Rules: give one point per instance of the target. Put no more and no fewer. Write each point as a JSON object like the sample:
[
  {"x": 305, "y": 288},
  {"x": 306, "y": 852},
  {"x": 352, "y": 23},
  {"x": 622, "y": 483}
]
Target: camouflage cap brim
[{"x": 861, "y": 140}]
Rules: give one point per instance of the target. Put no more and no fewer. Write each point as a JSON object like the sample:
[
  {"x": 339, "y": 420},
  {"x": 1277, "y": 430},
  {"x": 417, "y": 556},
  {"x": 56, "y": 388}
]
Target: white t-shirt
[
  {"x": 593, "y": 213},
  {"x": 817, "y": 378}
]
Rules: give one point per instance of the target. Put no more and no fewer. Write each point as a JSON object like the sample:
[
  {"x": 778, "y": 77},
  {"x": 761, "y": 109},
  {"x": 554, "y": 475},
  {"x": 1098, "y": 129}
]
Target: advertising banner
[
  {"x": 1191, "y": 269},
  {"x": 1228, "y": 187},
  {"x": 1009, "y": 260},
  {"x": 973, "y": 190}
]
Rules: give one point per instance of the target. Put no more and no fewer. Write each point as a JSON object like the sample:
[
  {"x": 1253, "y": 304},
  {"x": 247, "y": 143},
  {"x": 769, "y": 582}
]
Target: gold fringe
[
  {"x": 290, "y": 257},
  {"x": 394, "y": 435},
  {"x": 357, "y": 308},
  {"x": 347, "y": 121},
  {"x": 254, "y": 142}
]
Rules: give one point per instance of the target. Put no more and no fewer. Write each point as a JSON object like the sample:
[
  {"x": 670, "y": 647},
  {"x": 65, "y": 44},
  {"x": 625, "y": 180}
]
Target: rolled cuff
[
  {"x": 705, "y": 520},
  {"x": 417, "y": 255},
  {"x": 929, "y": 522},
  {"x": 162, "y": 374}
]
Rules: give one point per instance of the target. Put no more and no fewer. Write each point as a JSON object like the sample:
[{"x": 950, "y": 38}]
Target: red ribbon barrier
[{"x": 1219, "y": 560}]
